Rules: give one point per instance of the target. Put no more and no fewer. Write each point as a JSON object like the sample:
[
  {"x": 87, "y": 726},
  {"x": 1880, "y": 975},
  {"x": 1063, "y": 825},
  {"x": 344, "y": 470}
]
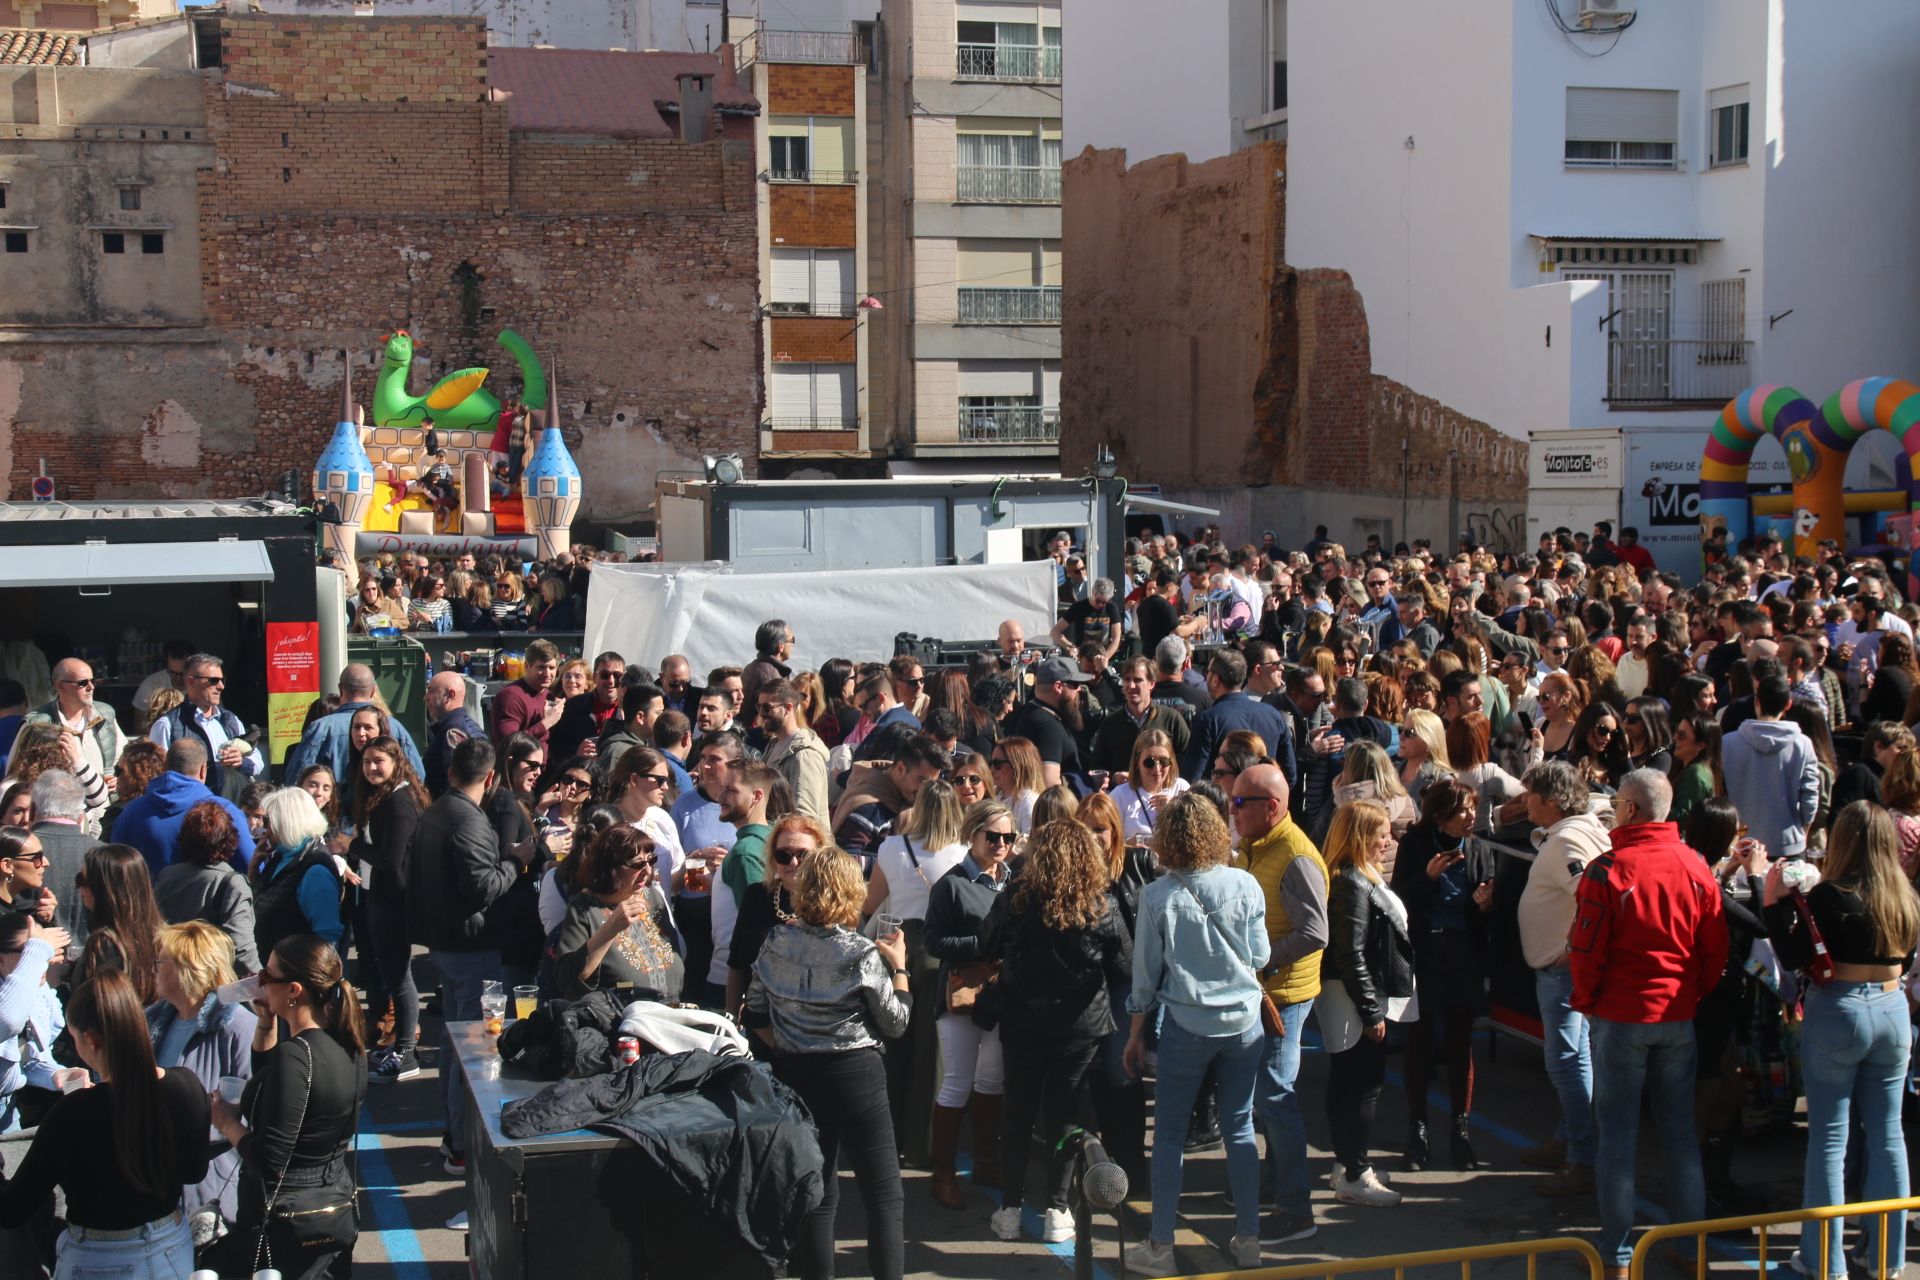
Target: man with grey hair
[
  {"x": 59, "y": 807},
  {"x": 1649, "y": 940},
  {"x": 1173, "y": 689},
  {"x": 1094, "y": 625},
  {"x": 90, "y": 726},
  {"x": 1566, "y": 838},
  {"x": 328, "y": 740},
  {"x": 231, "y": 760}
]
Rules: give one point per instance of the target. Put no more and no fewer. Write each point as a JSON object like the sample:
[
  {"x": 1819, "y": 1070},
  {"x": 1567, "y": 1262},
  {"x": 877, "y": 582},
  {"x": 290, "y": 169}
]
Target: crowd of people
[{"x": 1235, "y": 790}]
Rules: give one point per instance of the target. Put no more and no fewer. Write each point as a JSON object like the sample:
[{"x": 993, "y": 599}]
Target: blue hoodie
[
  {"x": 151, "y": 823},
  {"x": 1774, "y": 780}
]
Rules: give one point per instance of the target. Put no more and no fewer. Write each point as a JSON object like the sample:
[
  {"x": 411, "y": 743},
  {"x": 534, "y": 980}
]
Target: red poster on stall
[{"x": 293, "y": 682}]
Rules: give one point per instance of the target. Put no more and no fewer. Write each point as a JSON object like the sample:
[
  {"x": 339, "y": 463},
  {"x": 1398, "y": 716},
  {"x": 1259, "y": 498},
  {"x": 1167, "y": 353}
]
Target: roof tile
[
  {"x": 604, "y": 92},
  {"x": 22, "y": 47}
]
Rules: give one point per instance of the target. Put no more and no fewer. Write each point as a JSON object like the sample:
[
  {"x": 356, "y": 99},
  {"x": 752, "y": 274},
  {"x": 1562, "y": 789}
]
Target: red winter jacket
[{"x": 1649, "y": 938}]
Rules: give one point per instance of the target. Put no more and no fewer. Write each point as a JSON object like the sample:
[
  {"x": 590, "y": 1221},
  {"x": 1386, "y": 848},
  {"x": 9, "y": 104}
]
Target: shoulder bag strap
[{"x": 261, "y": 1251}]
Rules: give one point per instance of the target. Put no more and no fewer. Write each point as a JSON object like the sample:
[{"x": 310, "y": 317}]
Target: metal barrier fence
[
  {"x": 1759, "y": 1223},
  {"x": 1401, "y": 1263}
]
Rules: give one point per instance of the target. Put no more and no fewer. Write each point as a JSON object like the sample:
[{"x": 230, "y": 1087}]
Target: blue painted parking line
[
  {"x": 393, "y": 1227},
  {"x": 1030, "y": 1221}
]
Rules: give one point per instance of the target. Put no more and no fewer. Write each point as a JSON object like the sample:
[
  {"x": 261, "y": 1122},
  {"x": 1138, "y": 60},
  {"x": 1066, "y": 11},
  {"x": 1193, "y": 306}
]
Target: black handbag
[{"x": 308, "y": 1224}]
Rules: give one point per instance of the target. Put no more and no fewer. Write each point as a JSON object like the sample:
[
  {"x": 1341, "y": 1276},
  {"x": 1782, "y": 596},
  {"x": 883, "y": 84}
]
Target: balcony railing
[
  {"x": 819, "y": 177},
  {"x": 821, "y": 304},
  {"x": 829, "y": 48},
  {"x": 1031, "y": 63},
  {"x": 1676, "y": 370},
  {"x": 1010, "y": 424},
  {"x": 1008, "y": 184},
  {"x": 1011, "y": 306},
  {"x": 812, "y": 424}
]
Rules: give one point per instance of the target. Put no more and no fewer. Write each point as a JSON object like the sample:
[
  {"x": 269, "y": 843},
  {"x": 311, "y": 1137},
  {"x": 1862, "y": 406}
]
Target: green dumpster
[{"x": 400, "y": 670}]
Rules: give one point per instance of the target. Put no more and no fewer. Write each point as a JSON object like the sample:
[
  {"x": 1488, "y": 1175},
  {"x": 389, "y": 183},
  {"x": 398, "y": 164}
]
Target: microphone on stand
[{"x": 1098, "y": 1183}]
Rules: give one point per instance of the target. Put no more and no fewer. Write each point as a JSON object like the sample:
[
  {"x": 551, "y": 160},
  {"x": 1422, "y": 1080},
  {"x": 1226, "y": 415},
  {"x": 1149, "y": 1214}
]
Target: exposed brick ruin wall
[
  {"x": 1203, "y": 360},
  {"x": 328, "y": 220},
  {"x": 797, "y": 90}
]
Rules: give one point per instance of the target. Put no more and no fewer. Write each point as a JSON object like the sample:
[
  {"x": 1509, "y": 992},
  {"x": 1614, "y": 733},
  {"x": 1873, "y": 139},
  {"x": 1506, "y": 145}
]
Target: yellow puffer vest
[{"x": 1267, "y": 860}]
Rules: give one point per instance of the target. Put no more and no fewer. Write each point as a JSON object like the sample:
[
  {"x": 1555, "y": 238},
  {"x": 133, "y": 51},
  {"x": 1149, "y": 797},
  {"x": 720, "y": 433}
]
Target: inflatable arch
[{"x": 1817, "y": 440}]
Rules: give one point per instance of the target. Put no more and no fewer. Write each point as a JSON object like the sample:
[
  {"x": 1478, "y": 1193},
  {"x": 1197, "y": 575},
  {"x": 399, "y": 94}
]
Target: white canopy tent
[{"x": 647, "y": 611}]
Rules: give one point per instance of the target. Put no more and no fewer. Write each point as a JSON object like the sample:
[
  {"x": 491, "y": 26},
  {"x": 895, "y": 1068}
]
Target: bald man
[
  {"x": 449, "y": 726},
  {"x": 1013, "y": 640},
  {"x": 90, "y": 726},
  {"x": 1293, "y": 878},
  {"x": 328, "y": 741}
]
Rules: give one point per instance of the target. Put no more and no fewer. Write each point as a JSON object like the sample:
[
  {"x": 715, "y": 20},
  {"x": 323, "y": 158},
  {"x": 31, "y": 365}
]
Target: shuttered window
[
  {"x": 1622, "y": 128},
  {"x": 813, "y": 395},
  {"x": 1727, "y": 125},
  {"x": 816, "y": 282}
]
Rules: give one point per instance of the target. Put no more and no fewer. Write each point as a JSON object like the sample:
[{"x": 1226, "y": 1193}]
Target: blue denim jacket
[{"x": 1202, "y": 974}]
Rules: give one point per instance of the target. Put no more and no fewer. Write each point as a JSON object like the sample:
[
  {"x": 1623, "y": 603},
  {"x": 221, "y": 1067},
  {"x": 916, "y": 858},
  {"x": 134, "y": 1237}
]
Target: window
[
  {"x": 113, "y": 242},
  {"x": 130, "y": 199},
  {"x": 153, "y": 242},
  {"x": 811, "y": 282},
  {"x": 1008, "y": 51},
  {"x": 1008, "y": 166},
  {"x": 813, "y": 395},
  {"x": 1723, "y": 321},
  {"x": 1727, "y": 118},
  {"x": 3, "y": 195},
  {"x": 790, "y": 158},
  {"x": 16, "y": 242},
  {"x": 1622, "y": 128}
]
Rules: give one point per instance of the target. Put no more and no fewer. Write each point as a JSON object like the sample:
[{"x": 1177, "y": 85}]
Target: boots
[
  {"x": 946, "y": 1141},
  {"x": 1725, "y": 1197},
  {"x": 1419, "y": 1148},
  {"x": 986, "y": 1140},
  {"x": 1460, "y": 1146}
]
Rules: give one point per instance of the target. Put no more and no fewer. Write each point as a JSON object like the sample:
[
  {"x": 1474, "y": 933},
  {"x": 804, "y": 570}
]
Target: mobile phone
[{"x": 1526, "y": 723}]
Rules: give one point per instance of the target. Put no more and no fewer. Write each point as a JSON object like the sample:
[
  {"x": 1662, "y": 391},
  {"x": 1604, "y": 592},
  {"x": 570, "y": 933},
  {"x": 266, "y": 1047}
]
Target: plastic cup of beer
[{"x": 525, "y": 1001}]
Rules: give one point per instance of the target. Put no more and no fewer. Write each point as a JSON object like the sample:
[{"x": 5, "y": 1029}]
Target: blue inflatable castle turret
[
  {"x": 551, "y": 484},
  {"x": 343, "y": 477}
]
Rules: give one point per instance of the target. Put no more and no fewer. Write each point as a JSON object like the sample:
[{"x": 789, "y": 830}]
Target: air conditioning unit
[{"x": 1603, "y": 14}]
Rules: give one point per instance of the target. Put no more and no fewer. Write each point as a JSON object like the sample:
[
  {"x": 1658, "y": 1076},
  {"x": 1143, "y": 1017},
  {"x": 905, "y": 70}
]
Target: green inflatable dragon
[{"x": 456, "y": 402}]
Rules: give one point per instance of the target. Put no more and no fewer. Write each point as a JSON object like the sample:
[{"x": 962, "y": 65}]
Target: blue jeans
[
  {"x": 1855, "y": 1047},
  {"x": 1184, "y": 1058},
  {"x": 1631, "y": 1059},
  {"x": 1278, "y": 1107},
  {"x": 161, "y": 1250},
  {"x": 1569, "y": 1055},
  {"x": 462, "y": 977}
]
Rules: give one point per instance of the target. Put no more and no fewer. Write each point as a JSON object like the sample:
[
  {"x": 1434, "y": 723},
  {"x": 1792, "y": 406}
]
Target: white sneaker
[
  {"x": 1005, "y": 1223},
  {"x": 458, "y": 1222},
  {"x": 1366, "y": 1189},
  {"x": 1802, "y": 1267},
  {"x": 1149, "y": 1259},
  {"x": 1056, "y": 1225},
  {"x": 1245, "y": 1251}
]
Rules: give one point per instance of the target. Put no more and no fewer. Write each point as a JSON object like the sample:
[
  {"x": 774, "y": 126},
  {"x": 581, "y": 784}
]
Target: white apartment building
[
  {"x": 1566, "y": 213},
  {"x": 969, "y": 357}
]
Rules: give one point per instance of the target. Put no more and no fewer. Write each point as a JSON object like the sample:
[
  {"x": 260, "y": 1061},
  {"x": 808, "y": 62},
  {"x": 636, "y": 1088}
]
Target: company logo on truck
[
  {"x": 1671, "y": 504},
  {"x": 1574, "y": 462}
]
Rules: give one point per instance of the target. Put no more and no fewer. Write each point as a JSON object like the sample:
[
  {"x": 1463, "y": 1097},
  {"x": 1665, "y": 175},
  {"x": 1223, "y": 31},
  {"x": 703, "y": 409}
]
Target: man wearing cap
[{"x": 1051, "y": 719}]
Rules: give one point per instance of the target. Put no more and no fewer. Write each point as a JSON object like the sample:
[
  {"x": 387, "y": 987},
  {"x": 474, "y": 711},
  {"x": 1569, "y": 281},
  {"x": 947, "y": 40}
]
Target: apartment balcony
[
  {"x": 816, "y": 435},
  {"x": 1011, "y": 306},
  {"x": 815, "y": 423},
  {"x": 1010, "y": 424},
  {"x": 1680, "y": 372},
  {"x": 817, "y": 177},
  {"x": 1010, "y": 63},
  {"x": 1007, "y": 184},
  {"x": 821, "y": 304},
  {"x": 819, "y": 48}
]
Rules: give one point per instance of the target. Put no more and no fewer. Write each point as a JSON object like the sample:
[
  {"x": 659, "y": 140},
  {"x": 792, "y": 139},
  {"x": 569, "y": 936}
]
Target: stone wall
[{"x": 357, "y": 59}]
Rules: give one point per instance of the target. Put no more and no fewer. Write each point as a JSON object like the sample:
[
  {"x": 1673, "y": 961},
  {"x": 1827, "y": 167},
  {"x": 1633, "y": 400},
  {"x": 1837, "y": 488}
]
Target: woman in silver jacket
[{"x": 823, "y": 998}]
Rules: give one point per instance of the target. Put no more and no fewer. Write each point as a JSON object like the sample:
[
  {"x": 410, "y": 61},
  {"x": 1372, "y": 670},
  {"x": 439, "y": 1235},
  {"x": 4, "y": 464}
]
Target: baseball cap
[{"x": 1059, "y": 669}]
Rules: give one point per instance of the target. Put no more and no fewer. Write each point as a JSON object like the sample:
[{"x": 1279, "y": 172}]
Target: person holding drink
[{"x": 1153, "y": 778}]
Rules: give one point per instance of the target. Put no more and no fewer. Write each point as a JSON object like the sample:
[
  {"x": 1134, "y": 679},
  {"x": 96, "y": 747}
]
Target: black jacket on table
[
  {"x": 1365, "y": 950},
  {"x": 1054, "y": 982},
  {"x": 455, "y": 873}
]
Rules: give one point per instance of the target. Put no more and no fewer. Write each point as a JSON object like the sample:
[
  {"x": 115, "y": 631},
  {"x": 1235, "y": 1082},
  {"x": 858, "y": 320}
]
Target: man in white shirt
[
  {"x": 91, "y": 725},
  {"x": 1632, "y": 672}
]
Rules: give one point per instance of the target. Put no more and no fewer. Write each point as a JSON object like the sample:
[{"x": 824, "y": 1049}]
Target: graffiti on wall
[{"x": 1498, "y": 530}]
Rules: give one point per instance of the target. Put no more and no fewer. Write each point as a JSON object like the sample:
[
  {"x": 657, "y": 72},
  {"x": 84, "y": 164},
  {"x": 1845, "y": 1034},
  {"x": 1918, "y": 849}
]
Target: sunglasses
[
  {"x": 1557, "y": 650},
  {"x": 657, "y": 779},
  {"x": 575, "y": 780},
  {"x": 789, "y": 856},
  {"x": 529, "y": 764},
  {"x": 915, "y": 681},
  {"x": 38, "y": 858},
  {"x": 642, "y": 864},
  {"x": 999, "y": 837},
  {"x": 213, "y": 680},
  {"x": 273, "y": 980},
  {"x": 970, "y": 780},
  {"x": 80, "y": 684},
  {"x": 1156, "y": 762},
  {"x": 11, "y": 951},
  {"x": 1241, "y": 802},
  {"x": 1604, "y": 730},
  {"x": 610, "y": 677},
  {"x": 1634, "y": 720},
  {"x": 998, "y": 762}
]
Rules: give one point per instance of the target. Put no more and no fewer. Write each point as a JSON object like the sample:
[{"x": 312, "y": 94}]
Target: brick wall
[
  {"x": 807, "y": 340},
  {"x": 811, "y": 217},
  {"x": 357, "y": 60},
  {"x": 568, "y": 174},
  {"x": 794, "y": 90}
]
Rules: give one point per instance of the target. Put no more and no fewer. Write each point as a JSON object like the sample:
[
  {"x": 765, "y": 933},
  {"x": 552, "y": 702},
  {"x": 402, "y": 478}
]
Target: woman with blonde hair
[
  {"x": 1368, "y": 763},
  {"x": 1199, "y": 943},
  {"x": 1858, "y": 1032},
  {"x": 974, "y": 1075},
  {"x": 1423, "y": 752},
  {"x": 1061, "y": 947},
  {"x": 1153, "y": 779},
  {"x": 1018, "y": 778},
  {"x": 823, "y": 999},
  {"x": 574, "y": 678},
  {"x": 1057, "y": 803},
  {"x": 1367, "y": 981}
]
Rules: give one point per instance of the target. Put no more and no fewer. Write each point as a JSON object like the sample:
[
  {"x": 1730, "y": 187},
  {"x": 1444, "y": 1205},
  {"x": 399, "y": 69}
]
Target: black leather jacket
[
  {"x": 1054, "y": 982},
  {"x": 1367, "y": 950}
]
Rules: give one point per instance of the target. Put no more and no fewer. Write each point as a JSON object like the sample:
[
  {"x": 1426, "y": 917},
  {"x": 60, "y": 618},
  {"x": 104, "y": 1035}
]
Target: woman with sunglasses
[
  {"x": 910, "y": 861},
  {"x": 769, "y": 900},
  {"x": 143, "y": 761},
  {"x": 1649, "y": 740},
  {"x": 1600, "y": 749},
  {"x": 296, "y": 883},
  {"x": 1446, "y": 883},
  {"x": 972, "y": 779},
  {"x": 294, "y": 1124},
  {"x": 1562, "y": 702},
  {"x": 123, "y": 1151},
  {"x": 23, "y": 875},
  {"x": 1153, "y": 779},
  {"x": 387, "y": 808},
  {"x": 618, "y": 934},
  {"x": 974, "y": 1076},
  {"x": 824, "y": 998},
  {"x": 1696, "y": 764},
  {"x": 570, "y": 790},
  {"x": 1018, "y": 779}
]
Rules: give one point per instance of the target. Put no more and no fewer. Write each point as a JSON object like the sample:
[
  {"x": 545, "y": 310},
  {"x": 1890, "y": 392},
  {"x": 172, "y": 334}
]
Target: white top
[
  {"x": 1136, "y": 815},
  {"x": 553, "y": 903},
  {"x": 1022, "y": 806},
  {"x": 658, "y": 823},
  {"x": 907, "y": 889}
]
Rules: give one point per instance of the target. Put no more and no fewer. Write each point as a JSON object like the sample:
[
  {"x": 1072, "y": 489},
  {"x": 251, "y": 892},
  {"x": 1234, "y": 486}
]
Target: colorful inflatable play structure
[
  {"x": 1817, "y": 440},
  {"x": 449, "y": 471}
]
